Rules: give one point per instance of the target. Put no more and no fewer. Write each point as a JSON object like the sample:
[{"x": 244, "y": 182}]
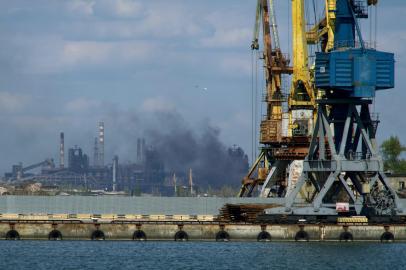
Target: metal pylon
[
  {"x": 342, "y": 165},
  {"x": 264, "y": 174},
  {"x": 256, "y": 174}
]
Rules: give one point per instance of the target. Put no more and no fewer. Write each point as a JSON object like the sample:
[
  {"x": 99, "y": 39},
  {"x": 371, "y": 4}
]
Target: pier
[{"x": 164, "y": 219}]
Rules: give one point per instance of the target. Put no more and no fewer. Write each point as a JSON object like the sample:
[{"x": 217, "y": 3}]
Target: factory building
[
  {"x": 78, "y": 161},
  {"x": 146, "y": 175}
]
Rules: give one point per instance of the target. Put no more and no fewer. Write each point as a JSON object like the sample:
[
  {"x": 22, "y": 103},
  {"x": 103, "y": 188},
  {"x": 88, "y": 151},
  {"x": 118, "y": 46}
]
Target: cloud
[
  {"x": 110, "y": 54},
  {"x": 75, "y": 53},
  {"x": 235, "y": 65},
  {"x": 230, "y": 33},
  {"x": 168, "y": 20},
  {"x": 131, "y": 20},
  {"x": 157, "y": 104},
  {"x": 81, "y": 105},
  {"x": 117, "y": 9},
  {"x": 385, "y": 42},
  {"x": 13, "y": 103},
  {"x": 226, "y": 38},
  {"x": 81, "y": 7},
  {"x": 114, "y": 34},
  {"x": 51, "y": 54},
  {"x": 127, "y": 8},
  {"x": 25, "y": 123}
]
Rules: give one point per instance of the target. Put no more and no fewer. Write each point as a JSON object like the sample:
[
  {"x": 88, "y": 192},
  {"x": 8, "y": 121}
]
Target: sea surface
[{"x": 199, "y": 255}]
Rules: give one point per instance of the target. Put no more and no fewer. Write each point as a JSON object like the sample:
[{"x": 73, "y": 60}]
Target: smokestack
[
  {"x": 139, "y": 150},
  {"x": 101, "y": 144},
  {"x": 115, "y": 165},
  {"x": 191, "y": 181},
  {"x": 174, "y": 180},
  {"x": 96, "y": 153},
  {"x": 62, "y": 151},
  {"x": 142, "y": 149}
]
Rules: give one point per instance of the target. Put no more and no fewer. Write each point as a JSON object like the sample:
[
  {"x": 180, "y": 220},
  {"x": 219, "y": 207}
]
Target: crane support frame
[{"x": 343, "y": 165}]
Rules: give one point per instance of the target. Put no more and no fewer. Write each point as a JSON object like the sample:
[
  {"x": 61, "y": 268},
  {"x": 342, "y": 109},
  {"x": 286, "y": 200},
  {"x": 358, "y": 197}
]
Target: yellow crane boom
[{"x": 302, "y": 105}]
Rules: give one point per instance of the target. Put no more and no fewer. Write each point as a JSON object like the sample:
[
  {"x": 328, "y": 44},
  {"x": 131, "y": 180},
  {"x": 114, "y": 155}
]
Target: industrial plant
[{"x": 83, "y": 175}]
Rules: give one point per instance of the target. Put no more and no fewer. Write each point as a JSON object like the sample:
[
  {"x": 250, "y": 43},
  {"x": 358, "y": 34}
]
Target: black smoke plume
[{"x": 182, "y": 147}]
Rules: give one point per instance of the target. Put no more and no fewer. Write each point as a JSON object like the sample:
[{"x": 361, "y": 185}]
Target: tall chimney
[
  {"x": 101, "y": 144},
  {"x": 62, "y": 151},
  {"x": 115, "y": 165},
  {"x": 139, "y": 150},
  {"x": 174, "y": 180},
  {"x": 143, "y": 150},
  {"x": 191, "y": 181},
  {"x": 96, "y": 153}
]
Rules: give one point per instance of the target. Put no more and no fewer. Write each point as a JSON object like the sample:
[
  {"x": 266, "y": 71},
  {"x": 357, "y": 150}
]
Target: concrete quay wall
[{"x": 203, "y": 232}]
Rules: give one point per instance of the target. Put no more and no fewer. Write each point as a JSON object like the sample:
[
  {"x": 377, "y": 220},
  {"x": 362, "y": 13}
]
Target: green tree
[{"x": 391, "y": 151}]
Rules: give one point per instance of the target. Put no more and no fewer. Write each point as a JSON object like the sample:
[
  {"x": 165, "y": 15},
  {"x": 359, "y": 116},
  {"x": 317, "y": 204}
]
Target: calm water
[{"x": 199, "y": 255}]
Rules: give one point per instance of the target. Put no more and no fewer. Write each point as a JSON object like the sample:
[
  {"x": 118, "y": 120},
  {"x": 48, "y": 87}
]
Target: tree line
[{"x": 392, "y": 150}]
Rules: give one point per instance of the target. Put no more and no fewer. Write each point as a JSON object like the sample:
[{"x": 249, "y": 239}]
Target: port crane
[
  {"x": 275, "y": 64},
  {"x": 284, "y": 136},
  {"x": 340, "y": 163},
  {"x": 343, "y": 166}
]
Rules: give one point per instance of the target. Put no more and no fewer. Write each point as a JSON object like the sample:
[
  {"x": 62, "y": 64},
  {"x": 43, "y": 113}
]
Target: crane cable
[
  {"x": 375, "y": 40},
  {"x": 256, "y": 105},
  {"x": 252, "y": 107},
  {"x": 315, "y": 9},
  {"x": 254, "y": 80},
  {"x": 289, "y": 28},
  {"x": 274, "y": 25},
  {"x": 254, "y": 101},
  {"x": 376, "y": 26}
]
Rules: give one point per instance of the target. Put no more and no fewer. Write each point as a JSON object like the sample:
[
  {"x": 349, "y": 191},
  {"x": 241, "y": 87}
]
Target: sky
[{"x": 66, "y": 65}]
